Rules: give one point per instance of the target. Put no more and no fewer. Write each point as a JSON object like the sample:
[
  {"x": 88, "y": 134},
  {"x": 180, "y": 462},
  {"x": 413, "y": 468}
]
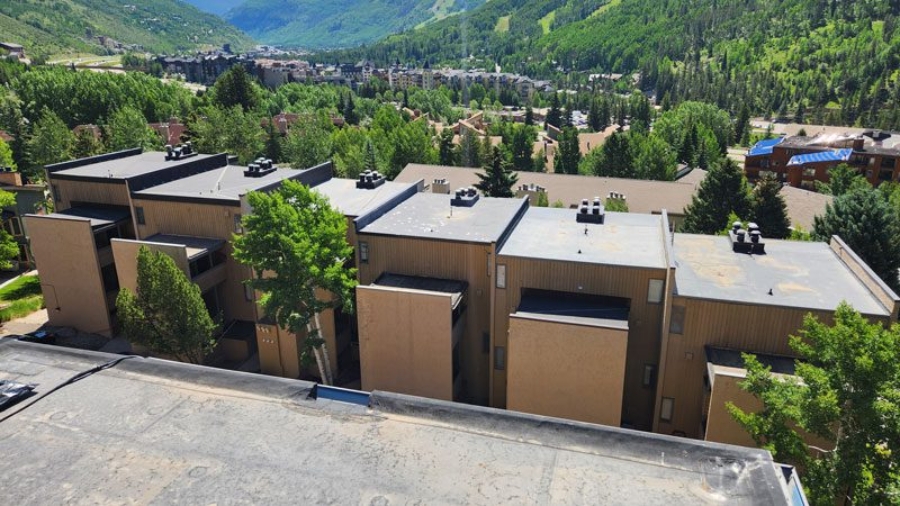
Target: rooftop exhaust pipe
[
  {"x": 260, "y": 167},
  {"x": 370, "y": 179},
  {"x": 591, "y": 211},
  {"x": 739, "y": 236},
  {"x": 178, "y": 152},
  {"x": 465, "y": 197}
]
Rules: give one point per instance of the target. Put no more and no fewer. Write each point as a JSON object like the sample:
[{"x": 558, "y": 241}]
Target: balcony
[{"x": 210, "y": 277}]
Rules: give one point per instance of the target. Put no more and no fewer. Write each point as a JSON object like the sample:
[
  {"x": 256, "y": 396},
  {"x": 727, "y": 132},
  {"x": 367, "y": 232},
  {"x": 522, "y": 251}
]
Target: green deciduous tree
[
  {"x": 769, "y": 209},
  {"x": 497, "y": 180},
  {"x": 723, "y": 191},
  {"x": 6, "y": 155},
  {"x": 51, "y": 141},
  {"x": 653, "y": 158},
  {"x": 9, "y": 248},
  {"x": 870, "y": 225},
  {"x": 568, "y": 152},
  {"x": 847, "y": 392},
  {"x": 308, "y": 142},
  {"x": 127, "y": 128},
  {"x": 297, "y": 245},
  {"x": 233, "y": 131},
  {"x": 166, "y": 313}
]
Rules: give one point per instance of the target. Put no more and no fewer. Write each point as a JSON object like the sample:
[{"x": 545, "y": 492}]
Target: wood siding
[
  {"x": 87, "y": 191},
  {"x": 616, "y": 281},
  {"x": 446, "y": 260}
]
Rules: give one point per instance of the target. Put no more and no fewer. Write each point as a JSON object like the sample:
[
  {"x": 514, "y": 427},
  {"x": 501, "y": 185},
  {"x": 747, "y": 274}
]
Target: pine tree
[
  {"x": 166, "y": 313},
  {"x": 521, "y": 148},
  {"x": 770, "y": 210},
  {"x": 50, "y": 142},
  {"x": 616, "y": 158},
  {"x": 446, "y": 149},
  {"x": 594, "y": 120},
  {"x": 567, "y": 114},
  {"x": 722, "y": 192},
  {"x": 350, "y": 116},
  {"x": 497, "y": 180},
  {"x": 865, "y": 220},
  {"x": 469, "y": 150},
  {"x": 529, "y": 116},
  {"x": 273, "y": 147},
  {"x": 568, "y": 152},
  {"x": 371, "y": 161},
  {"x": 235, "y": 87},
  {"x": 554, "y": 115}
]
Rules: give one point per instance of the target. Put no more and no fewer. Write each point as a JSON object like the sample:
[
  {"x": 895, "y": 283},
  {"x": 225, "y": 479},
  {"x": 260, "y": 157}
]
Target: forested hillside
[
  {"x": 337, "y": 23},
  {"x": 824, "y": 60},
  {"x": 47, "y": 27}
]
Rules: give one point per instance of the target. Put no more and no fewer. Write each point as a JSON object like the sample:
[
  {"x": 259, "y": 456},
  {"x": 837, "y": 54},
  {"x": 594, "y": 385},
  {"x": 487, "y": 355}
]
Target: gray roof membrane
[{"x": 157, "y": 432}]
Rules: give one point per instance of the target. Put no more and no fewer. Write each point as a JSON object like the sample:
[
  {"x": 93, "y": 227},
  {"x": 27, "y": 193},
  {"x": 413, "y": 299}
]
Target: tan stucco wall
[
  {"x": 565, "y": 370},
  {"x": 66, "y": 256},
  {"x": 278, "y": 351},
  {"x": 125, "y": 253},
  {"x": 405, "y": 339},
  {"x": 720, "y": 425}
]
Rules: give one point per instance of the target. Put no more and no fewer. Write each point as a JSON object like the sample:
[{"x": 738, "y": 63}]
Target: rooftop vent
[
  {"x": 369, "y": 180},
  {"x": 440, "y": 185},
  {"x": 260, "y": 167},
  {"x": 465, "y": 197},
  {"x": 746, "y": 241},
  {"x": 181, "y": 151},
  {"x": 590, "y": 211}
]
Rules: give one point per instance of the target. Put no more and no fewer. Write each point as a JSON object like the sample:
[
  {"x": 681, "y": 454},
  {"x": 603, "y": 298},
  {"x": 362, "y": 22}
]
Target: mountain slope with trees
[
  {"x": 337, "y": 23},
  {"x": 831, "y": 61},
  {"x": 46, "y": 28}
]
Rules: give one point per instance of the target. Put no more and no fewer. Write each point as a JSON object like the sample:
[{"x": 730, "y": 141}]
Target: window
[
  {"x": 667, "y": 409},
  {"x": 364, "y": 252},
  {"x": 676, "y": 324},
  {"x": 655, "y": 291},
  {"x": 248, "y": 292},
  {"x": 238, "y": 226},
  {"x": 485, "y": 342},
  {"x": 499, "y": 358},
  {"x": 139, "y": 215},
  {"x": 57, "y": 196},
  {"x": 13, "y": 227},
  {"x": 809, "y": 172},
  {"x": 888, "y": 163},
  {"x": 501, "y": 276},
  {"x": 649, "y": 375}
]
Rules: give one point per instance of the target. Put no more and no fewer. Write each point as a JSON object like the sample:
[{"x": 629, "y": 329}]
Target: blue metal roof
[
  {"x": 840, "y": 155},
  {"x": 764, "y": 147}
]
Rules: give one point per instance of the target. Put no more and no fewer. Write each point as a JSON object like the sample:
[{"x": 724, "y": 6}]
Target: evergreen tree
[
  {"x": 446, "y": 149},
  {"x": 497, "y": 180},
  {"x": 846, "y": 392},
  {"x": 166, "y": 313},
  {"x": 769, "y": 209},
  {"x": 371, "y": 161},
  {"x": 127, "y": 128},
  {"x": 86, "y": 144},
  {"x": 296, "y": 244},
  {"x": 554, "y": 115},
  {"x": 841, "y": 179},
  {"x": 567, "y": 114},
  {"x": 521, "y": 148},
  {"x": 615, "y": 158},
  {"x": 235, "y": 87},
  {"x": 350, "y": 116},
  {"x": 722, "y": 192},
  {"x": 640, "y": 112},
  {"x": 594, "y": 120},
  {"x": 865, "y": 220},
  {"x": 273, "y": 148},
  {"x": 469, "y": 150},
  {"x": 50, "y": 142},
  {"x": 742, "y": 126},
  {"x": 529, "y": 116},
  {"x": 568, "y": 152}
]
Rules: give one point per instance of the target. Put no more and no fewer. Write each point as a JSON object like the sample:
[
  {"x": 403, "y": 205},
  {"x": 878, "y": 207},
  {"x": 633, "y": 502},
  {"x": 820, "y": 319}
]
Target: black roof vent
[
  {"x": 370, "y": 179},
  {"x": 260, "y": 168},
  {"x": 591, "y": 212},
  {"x": 465, "y": 197},
  {"x": 181, "y": 151},
  {"x": 746, "y": 241}
]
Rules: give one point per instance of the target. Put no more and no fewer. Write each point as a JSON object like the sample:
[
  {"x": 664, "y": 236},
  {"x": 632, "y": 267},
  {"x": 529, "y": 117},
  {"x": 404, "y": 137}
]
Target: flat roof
[
  {"x": 574, "y": 308},
  {"x": 430, "y": 216},
  {"x": 155, "y": 431},
  {"x": 625, "y": 239},
  {"x": 453, "y": 287},
  {"x": 643, "y": 196},
  {"x": 222, "y": 184},
  {"x": 731, "y": 362},
  {"x": 800, "y": 274},
  {"x": 352, "y": 201},
  {"x": 98, "y": 216},
  {"x": 195, "y": 246},
  {"x": 129, "y": 166}
]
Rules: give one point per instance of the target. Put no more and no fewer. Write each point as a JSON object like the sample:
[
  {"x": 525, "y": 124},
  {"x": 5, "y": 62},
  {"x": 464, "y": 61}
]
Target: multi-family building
[
  {"x": 578, "y": 313},
  {"x": 801, "y": 161}
]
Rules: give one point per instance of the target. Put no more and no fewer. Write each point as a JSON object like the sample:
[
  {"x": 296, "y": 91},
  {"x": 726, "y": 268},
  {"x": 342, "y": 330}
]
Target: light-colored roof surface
[
  {"x": 352, "y": 201},
  {"x": 225, "y": 183},
  {"x": 98, "y": 216},
  {"x": 194, "y": 246},
  {"x": 129, "y": 166},
  {"x": 156, "y": 432},
  {"x": 800, "y": 274},
  {"x": 642, "y": 196},
  {"x": 430, "y": 216},
  {"x": 623, "y": 239}
]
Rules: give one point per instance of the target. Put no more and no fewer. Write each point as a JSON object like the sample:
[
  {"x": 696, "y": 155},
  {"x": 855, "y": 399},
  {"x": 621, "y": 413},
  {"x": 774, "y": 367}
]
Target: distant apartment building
[
  {"x": 801, "y": 161},
  {"x": 572, "y": 312},
  {"x": 30, "y": 198}
]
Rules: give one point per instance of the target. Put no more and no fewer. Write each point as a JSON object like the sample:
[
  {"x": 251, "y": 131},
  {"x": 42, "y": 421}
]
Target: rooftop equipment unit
[
  {"x": 465, "y": 197},
  {"x": 591, "y": 212},
  {"x": 370, "y": 179},
  {"x": 739, "y": 242}
]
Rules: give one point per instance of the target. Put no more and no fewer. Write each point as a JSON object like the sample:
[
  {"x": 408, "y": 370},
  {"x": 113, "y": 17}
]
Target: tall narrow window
[
  {"x": 238, "y": 226},
  {"x": 364, "y": 252},
  {"x": 655, "y": 291},
  {"x": 499, "y": 358},
  {"x": 501, "y": 276},
  {"x": 139, "y": 214},
  {"x": 649, "y": 375}
]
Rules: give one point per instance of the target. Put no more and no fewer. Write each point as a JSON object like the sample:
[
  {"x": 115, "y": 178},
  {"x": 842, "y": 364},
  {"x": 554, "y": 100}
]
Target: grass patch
[
  {"x": 547, "y": 21},
  {"x": 20, "y": 298},
  {"x": 605, "y": 7},
  {"x": 502, "y": 24}
]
